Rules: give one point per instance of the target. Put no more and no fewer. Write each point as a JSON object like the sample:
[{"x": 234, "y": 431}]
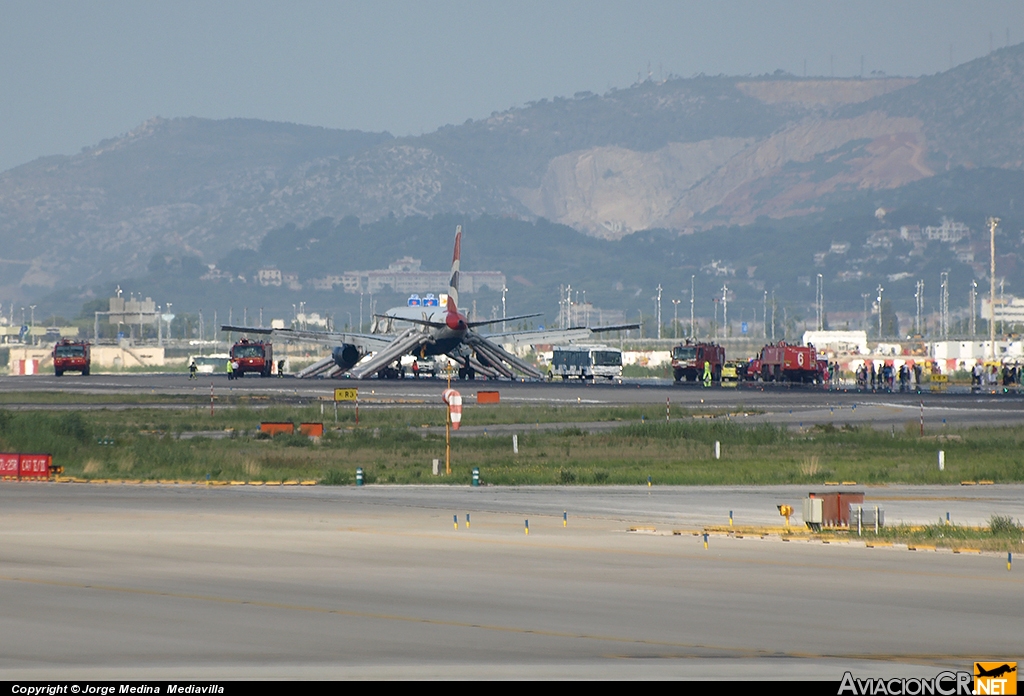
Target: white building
[
  {"x": 838, "y": 341},
  {"x": 1009, "y": 310}
]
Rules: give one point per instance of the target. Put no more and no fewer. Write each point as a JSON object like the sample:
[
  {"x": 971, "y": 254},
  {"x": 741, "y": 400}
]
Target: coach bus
[{"x": 586, "y": 362}]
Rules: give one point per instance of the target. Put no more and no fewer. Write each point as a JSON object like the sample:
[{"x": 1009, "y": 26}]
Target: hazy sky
[{"x": 73, "y": 73}]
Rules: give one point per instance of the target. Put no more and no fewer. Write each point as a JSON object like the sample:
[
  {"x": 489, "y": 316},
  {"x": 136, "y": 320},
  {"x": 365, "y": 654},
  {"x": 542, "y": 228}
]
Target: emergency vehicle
[
  {"x": 782, "y": 362},
  {"x": 688, "y": 361},
  {"x": 71, "y": 355},
  {"x": 252, "y": 356}
]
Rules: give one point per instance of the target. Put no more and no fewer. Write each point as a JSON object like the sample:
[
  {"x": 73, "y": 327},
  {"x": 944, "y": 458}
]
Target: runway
[
  {"x": 794, "y": 407},
  {"x": 163, "y": 582}
]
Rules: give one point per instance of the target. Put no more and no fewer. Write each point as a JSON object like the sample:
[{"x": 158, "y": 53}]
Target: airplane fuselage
[{"x": 448, "y": 332}]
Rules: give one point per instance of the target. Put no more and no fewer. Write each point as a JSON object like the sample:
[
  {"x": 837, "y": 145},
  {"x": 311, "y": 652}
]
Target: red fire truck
[
  {"x": 688, "y": 361},
  {"x": 71, "y": 355},
  {"x": 785, "y": 363},
  {"x": 251, "y": 356}
]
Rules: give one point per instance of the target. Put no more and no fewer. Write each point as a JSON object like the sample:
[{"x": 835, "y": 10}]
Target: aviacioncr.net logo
[{"x": 944, "y": 684}]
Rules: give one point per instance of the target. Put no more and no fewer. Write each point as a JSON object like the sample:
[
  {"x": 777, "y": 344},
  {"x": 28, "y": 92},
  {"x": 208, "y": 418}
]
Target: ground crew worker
[
  {"x": 231, "y": 373},
  {"x": 192, "y": 369},
  {"x": 707, "y": 373},
  {"x": 280, "y": 368}
]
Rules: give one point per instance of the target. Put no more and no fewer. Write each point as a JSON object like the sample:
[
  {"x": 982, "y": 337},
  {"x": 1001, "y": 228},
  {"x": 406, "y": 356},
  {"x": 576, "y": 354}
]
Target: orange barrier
[
  {"x": 277, "y": 428},
  {"x": 312, "y": 429},
  {"x": 487, "y": 397}
]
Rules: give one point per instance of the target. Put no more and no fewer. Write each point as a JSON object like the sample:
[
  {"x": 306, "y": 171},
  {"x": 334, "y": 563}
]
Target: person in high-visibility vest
[
  {"x": 231, "y": 372},
  {"x": 707, "y": 373}
]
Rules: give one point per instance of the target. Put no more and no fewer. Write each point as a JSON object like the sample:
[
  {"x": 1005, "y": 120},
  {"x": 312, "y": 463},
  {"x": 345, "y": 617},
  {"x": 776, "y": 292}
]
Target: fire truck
[
  {"x": 251, "y": 356},
  {"x": 71, "y": 355},
  {"x": 688, "y": 361},
  {"x": 785, "y": 363}
]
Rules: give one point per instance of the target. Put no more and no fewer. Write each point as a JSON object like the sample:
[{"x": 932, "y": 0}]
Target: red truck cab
[
  {"x": 71, "y": 355},
  {"x": 688, "y": 361},
  {"x": 251, "y": 356}
]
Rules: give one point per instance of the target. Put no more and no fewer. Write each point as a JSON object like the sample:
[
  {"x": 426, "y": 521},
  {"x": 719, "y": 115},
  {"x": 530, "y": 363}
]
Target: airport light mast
[
  {"x": 992, "y": 223},
  {"x": 692, "y": 333},
  {"x": 819, "y": 301},
  {"x": 880, "y": 291},
  {"x": 659, "y": 310},
  {"x": 944, "y": 303},
  {"x": 764, "y": 315},
  {"x": 725, "y": 310},
  {"x": 974, "y": 307}
]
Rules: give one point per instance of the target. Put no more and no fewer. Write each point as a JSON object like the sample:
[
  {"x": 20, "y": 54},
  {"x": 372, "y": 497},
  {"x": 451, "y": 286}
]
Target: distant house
[
  {"x": 269, "y": 276},
  {"x": 406, "y": 276}
]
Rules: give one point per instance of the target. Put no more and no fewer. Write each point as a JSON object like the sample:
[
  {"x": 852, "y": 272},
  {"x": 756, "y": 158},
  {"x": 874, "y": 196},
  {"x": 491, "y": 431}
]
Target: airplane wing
[
  {"x": 366, "y": 343},
  {"x": 474, "y": 324},
  {"x": 556, "y": 336}
]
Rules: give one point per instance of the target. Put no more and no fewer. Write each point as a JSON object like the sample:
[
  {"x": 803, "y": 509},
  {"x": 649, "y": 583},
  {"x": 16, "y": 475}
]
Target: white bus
[
  {"x": 585, "y": 362},
  {"x": 215, "y": 364}
]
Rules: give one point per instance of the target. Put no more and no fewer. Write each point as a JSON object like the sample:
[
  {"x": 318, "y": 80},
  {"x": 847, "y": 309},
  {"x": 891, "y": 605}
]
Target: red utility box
[{"x": 835, "y": 506}]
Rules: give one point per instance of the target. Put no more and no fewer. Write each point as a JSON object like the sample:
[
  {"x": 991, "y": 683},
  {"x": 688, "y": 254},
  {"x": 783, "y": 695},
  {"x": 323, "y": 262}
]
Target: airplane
[
  {"x": 431, "y": 331},
  {"x": 996, "y": 671}
]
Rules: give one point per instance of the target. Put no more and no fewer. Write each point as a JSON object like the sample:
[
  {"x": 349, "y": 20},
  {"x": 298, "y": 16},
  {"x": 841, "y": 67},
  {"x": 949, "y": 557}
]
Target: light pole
[
  {"x": 974, "y": 304},
  {"x": 764, "y": 315},
  {"x": 169, "y": 334},
  {"x": 880, "y": 290},
  {"x": 692, "y": 333},
  {"x": 659, "y": 311},
  {"x": 675, "y": 317},
  {"x": 992, "y": 223},
  {"x": 944, "y": 303},
  {"x": 919, "y": 298},
  {"x": 725, "y": 310},
  {"x": 820, "y": 292},
  {"x": 504, "y": 290}
]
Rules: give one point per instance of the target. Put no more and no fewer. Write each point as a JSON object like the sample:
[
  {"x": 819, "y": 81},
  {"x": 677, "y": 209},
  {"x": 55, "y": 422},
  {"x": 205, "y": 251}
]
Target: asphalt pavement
[{"x": 185, "y": 582}]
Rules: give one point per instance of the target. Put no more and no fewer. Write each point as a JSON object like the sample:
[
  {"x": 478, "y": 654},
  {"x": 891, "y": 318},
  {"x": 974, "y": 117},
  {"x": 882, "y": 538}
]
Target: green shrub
[{"x": 1003, "y": 525}]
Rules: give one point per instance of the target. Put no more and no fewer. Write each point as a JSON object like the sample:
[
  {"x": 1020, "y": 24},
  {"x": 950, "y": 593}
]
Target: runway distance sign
[{"x": 346, "y": 395}]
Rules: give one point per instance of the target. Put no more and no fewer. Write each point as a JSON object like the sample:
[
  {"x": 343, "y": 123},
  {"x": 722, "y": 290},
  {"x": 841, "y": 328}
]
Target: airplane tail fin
[{"x": 453, "y": 283}]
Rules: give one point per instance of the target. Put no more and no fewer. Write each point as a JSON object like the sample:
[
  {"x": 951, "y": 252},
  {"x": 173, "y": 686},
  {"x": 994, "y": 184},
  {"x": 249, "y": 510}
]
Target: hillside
[{"x": 683, "y": 155}]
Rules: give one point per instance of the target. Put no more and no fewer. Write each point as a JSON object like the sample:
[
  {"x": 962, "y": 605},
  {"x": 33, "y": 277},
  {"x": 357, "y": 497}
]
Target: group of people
[
  {"x": 993, "y": 375},
  {"x": 886, "y": 377}
]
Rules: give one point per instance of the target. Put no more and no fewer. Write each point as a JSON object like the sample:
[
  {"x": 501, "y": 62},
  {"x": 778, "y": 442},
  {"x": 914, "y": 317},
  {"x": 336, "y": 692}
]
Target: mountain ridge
[{"x": 683, "y": 154}]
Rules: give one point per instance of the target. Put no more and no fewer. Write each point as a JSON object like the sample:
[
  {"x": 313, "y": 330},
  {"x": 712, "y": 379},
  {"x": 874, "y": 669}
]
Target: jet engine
[{"x": 345, "y": 356}]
